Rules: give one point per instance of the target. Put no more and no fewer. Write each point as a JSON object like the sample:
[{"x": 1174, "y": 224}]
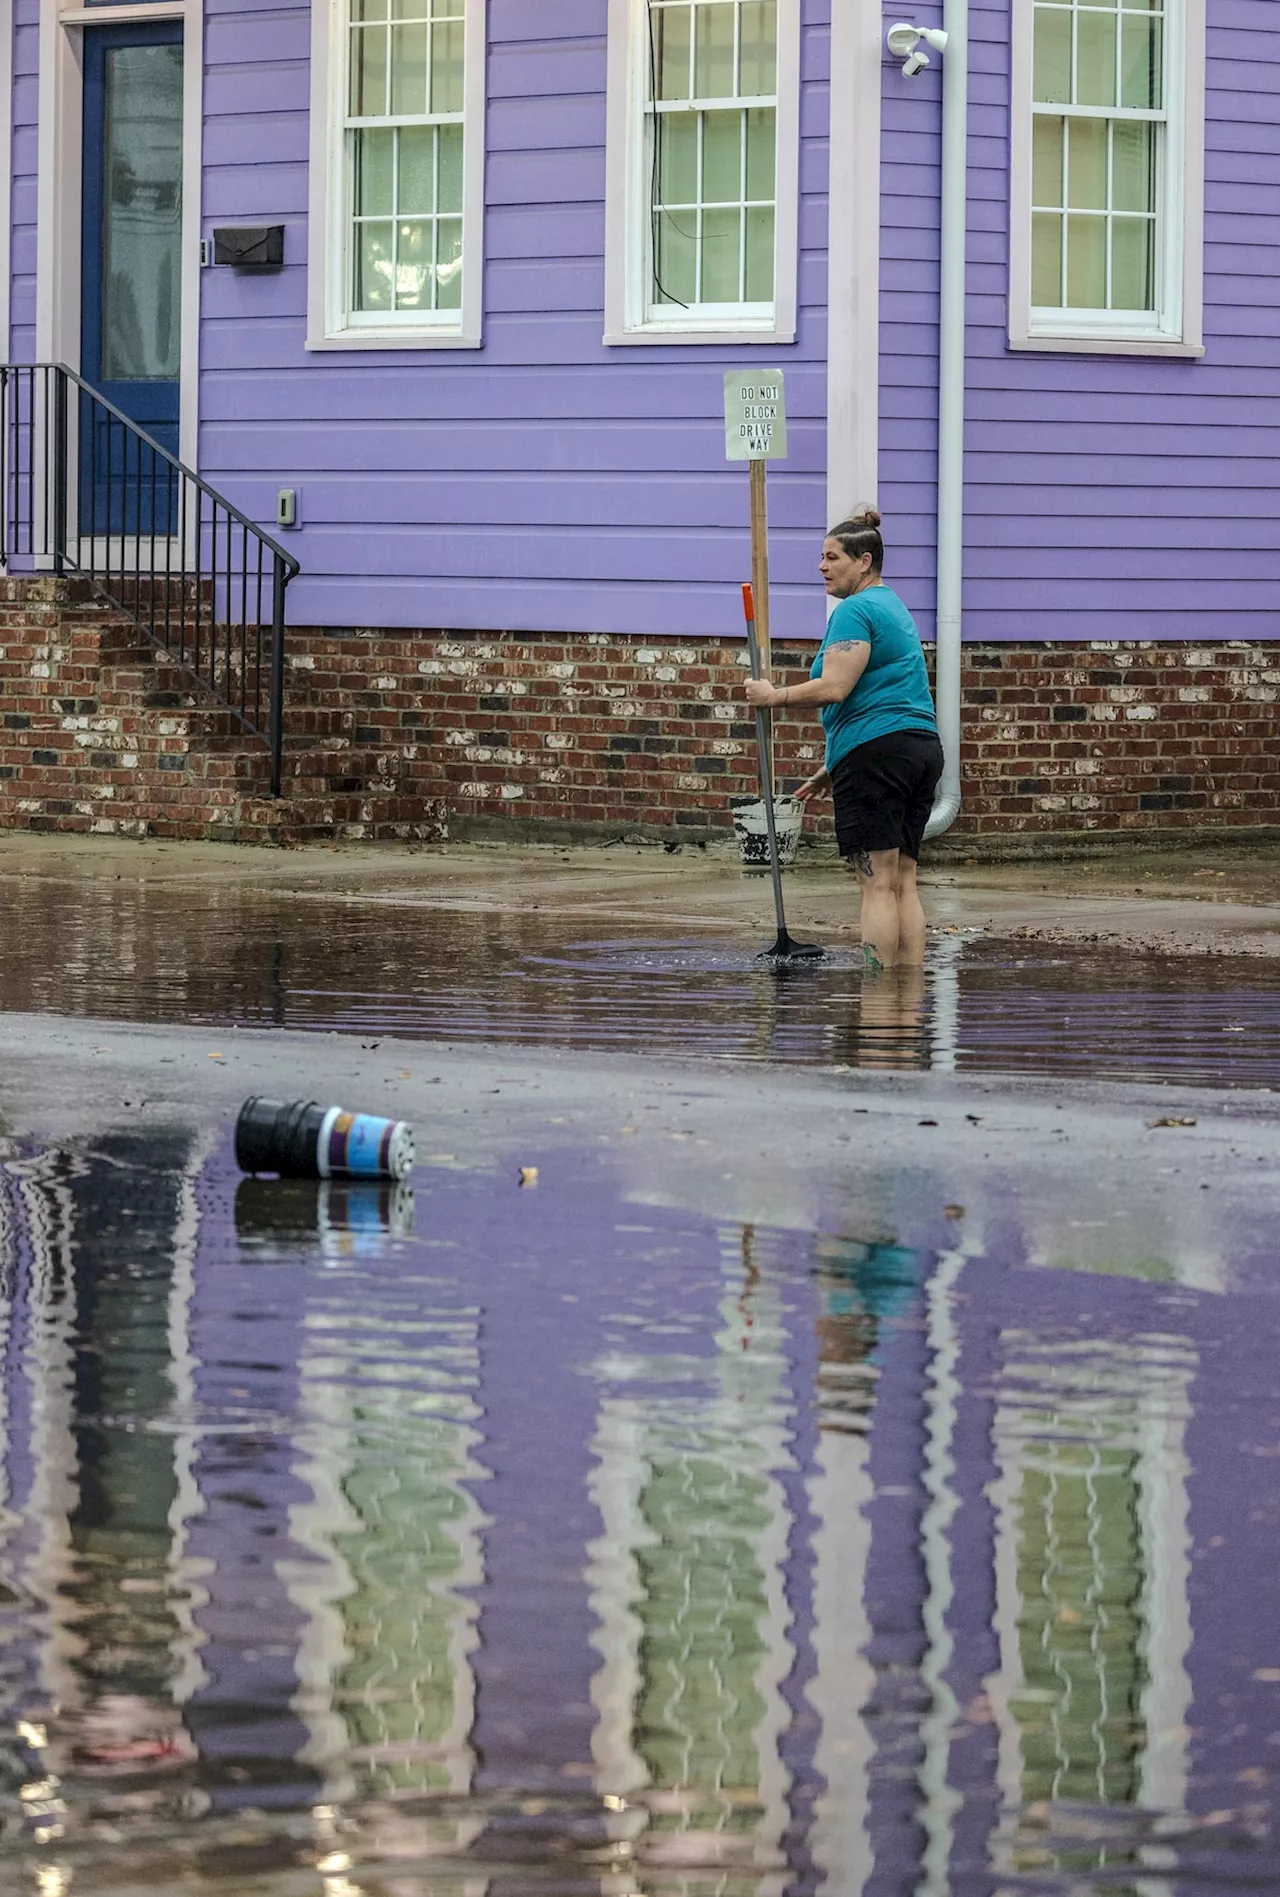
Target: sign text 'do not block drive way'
[{"x": 755, "y": 415}]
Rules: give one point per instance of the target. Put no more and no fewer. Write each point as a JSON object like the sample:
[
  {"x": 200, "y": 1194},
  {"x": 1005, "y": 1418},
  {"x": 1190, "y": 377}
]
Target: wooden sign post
[
  {"x": 755, "y": 431},
  {"x": 760, "y": 554}
]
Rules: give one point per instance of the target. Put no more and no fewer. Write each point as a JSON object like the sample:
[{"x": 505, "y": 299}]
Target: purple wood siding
[
  {"x": 26, "y": 85},
  {"x": 547, "y": 483},
  {"x": 544, "y": 482},
  {"x": 1106, "y": 497}
]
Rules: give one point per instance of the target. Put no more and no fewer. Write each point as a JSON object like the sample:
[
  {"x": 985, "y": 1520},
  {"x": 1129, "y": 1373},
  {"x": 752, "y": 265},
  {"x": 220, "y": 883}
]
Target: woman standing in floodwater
[{"x": 883, "y": 756}]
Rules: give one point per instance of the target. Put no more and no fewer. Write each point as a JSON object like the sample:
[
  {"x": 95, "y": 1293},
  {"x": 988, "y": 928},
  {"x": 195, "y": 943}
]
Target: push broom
[{"x": 784, "y": 949}]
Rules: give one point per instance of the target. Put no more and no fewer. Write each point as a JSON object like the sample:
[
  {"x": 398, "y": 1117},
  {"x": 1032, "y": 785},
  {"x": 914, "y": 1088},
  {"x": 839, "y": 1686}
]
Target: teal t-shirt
[{"x": 893, "y": 692}]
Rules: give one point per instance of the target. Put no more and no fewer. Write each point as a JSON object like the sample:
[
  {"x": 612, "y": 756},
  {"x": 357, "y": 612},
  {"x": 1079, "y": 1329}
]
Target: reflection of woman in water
[
  {"x": 888, "y": 1025},
  {"x": 883, "y": 757}
]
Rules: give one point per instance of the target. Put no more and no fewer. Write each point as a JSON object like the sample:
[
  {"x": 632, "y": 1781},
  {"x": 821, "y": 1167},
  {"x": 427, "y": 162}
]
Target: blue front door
[{"x": 131, "y": 317}]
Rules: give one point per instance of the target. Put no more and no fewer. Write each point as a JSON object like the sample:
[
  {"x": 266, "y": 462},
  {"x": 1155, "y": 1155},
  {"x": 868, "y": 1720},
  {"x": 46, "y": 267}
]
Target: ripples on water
[
  {"x": 366, "y": 967},
  {"x": 367, "y": 1543}
]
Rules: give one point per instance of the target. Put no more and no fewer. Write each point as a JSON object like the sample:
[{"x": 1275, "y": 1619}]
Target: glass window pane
[
  {"x": 1087, "y": 165},
  {"x": 448, "y": 9},
  {"x": 722, "y": 157},
  {"x": 1096, "y": 59},
  {"x": 368, "y": 9},
  {"x": 1133, "y": 167},
  {"x": 409, "y": 70},
  {"x": 409, "y": 9},
  {"x": 678, "y": 158},
  {"x": 449, "y": 145},
  {"x": 369, "y": 72},
  {"x": 414, "y": 265},
  {"x": 671, "y": 28},
  {"x": 1046, "y": 261},
  {"x": 1133, "y": 263},
  {"x": 1141, "y": 62},
  {"x": 142, "y": 215},
  {"x": 449, "y": 264},
  {"x": 721, "y": 256},
  {"x": 1047, "y": 140},
  {"x": 446, "y": 67},
  {"x": 372, "y": 288},
  {"x": 676, "y": 264},
  {"x": 1052, "y": 81},
  {"x": 713, "y": 50},
  {"x": 759, "y": 287},
  {"x": 1087, "y": 263},
  {"x": 417, "y": 169},
  {"x": 375, "y": 167},
  {"x": 762, "y": 163},
  {"x": 758, "y": 49}
]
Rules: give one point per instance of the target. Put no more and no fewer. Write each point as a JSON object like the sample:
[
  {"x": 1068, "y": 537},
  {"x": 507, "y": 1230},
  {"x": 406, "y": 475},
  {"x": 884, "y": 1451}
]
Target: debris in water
[
  {"x": 1172, "y": 1119},
  {"x": 301, "y": 1140},
  {"x": 528, "y": 1175}
]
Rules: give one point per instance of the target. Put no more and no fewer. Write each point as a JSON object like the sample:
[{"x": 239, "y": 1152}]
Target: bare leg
[
  {"x": 911, "y": 923},
  {"x": 878, "y": 877}
]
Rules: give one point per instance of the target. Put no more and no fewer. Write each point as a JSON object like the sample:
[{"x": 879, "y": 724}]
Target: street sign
[{"x": 755, "y": 415}]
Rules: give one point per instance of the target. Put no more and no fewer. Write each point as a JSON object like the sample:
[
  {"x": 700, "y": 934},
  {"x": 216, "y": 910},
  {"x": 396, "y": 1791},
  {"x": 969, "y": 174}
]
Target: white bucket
[{"x": 751, "y": 824}]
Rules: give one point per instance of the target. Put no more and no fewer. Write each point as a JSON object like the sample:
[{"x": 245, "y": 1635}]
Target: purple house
[{"x": 447, "y": 290}]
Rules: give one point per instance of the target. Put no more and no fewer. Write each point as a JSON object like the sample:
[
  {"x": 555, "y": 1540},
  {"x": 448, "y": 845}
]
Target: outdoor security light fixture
[{"x": 904, "y": 43}]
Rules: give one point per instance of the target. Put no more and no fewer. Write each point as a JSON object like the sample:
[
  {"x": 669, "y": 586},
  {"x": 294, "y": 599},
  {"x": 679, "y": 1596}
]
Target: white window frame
[
  {"x": 1176, "y": 326},
  {"x": 329, "y": 315},
  {"x": 628, "y": 181}
]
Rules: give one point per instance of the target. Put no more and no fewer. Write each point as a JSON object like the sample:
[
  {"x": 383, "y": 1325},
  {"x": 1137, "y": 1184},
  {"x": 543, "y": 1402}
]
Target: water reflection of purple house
[{"x": 888, "y": 1553}]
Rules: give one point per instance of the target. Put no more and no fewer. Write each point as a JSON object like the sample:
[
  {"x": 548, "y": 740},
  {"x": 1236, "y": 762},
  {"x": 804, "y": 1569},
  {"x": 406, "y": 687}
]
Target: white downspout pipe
[{"x": 951, "y": 376}]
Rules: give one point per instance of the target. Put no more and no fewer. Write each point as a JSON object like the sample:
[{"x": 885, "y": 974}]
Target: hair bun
[{"x": 863, "y": 515}]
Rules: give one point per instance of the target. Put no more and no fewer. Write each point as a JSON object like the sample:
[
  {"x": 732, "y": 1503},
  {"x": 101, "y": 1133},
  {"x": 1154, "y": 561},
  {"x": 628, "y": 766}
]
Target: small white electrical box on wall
[{"x": 287, "y": 507}]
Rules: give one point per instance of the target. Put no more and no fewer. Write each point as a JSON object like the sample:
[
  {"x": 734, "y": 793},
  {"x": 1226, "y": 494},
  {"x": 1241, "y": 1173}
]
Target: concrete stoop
[{"x": 101, "y": 734}]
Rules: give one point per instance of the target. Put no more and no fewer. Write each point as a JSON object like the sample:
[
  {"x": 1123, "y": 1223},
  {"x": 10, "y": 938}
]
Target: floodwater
[
  {"x": 489, "y": 1541},
  {"x": 576, "y": 1539},
  {"x": 372, "y": 967}
]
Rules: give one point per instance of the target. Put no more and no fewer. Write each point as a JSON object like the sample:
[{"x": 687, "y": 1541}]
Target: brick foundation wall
[
  {"x": 1120, "y": 736},
  {"x": 415, "y": 737},
  {"x": 654, "y": 735},
  {"x": 1106, "y": 737}
]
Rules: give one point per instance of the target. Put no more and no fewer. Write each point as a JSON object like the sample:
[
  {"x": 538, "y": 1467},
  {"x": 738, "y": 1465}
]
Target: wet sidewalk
[{"x": 1203, "y": 900}]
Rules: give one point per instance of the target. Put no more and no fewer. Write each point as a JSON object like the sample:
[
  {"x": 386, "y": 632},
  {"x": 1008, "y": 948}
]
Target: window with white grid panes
[
  {"x": 711, "y": 136},
  {"x": 404, "y": 144},
  {"x": 1099, "y": 135}
]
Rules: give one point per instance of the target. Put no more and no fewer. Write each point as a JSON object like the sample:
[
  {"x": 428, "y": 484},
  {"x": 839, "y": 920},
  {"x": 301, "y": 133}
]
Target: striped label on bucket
[{"x": 360, "y": 1144}]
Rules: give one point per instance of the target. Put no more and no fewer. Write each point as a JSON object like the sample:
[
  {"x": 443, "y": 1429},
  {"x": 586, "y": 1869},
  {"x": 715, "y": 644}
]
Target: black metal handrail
[{"x": 86, "y": 491}]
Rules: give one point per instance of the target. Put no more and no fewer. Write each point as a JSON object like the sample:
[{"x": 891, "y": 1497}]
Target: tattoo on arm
[{"x": 863, "y": 859}]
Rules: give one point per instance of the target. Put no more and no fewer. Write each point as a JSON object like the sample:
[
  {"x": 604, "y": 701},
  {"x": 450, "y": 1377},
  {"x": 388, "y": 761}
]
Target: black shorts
[{"x": 883, "y": 792}]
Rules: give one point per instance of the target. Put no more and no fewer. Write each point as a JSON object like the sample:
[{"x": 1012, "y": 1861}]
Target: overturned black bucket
[{"x": 299, "y": 1139}]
